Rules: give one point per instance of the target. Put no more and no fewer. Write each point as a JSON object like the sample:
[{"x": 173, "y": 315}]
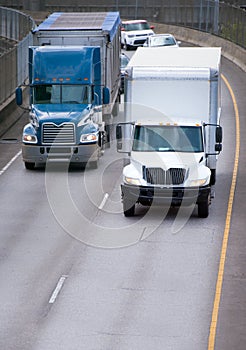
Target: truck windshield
[
  {"x": 168, "y": 139},
  {"x": 46, "y": 94}
]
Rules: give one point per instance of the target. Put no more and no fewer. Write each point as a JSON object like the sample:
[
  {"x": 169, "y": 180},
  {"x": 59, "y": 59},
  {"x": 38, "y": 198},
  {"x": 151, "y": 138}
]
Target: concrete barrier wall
[{"x": 230, "y": 50}]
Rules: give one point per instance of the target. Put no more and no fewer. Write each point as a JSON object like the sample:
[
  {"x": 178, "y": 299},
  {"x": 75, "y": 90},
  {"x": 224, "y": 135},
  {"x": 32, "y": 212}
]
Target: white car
[
  {"x": 134, "y": 33},
  {"x": 161, "y": 40}
]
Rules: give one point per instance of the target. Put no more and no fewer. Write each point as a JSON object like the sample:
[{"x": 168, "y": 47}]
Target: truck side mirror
[
  {"x": 106, "y": 95},
  {"x": 124, "y": 137},
  {"x": 18, "y": 96},
  {"x": 218, "y": 134}
]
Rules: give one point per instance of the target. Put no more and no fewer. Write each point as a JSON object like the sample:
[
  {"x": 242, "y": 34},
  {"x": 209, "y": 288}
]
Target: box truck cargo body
[{"x": 172, "y": 114}]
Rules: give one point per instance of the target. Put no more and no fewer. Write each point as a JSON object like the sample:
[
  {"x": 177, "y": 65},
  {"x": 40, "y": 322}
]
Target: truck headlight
[
  {"x": 132, "y": 181},
  {"x": 27, "y": 138},
  {"x": 87, "y": 138},
  {"x": 198, "y": 182}
]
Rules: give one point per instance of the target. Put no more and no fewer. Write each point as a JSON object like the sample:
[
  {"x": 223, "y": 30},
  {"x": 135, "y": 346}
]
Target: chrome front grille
[
  {"x": 158, "y": 176},
  {"x": 63, "y": 134}
]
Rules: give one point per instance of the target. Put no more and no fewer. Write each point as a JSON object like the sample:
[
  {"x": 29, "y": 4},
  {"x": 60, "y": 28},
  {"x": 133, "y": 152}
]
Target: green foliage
[{"x": 235, "y": 32}]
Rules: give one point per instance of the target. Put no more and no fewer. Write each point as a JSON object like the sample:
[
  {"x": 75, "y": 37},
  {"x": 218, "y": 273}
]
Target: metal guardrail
[
  {"x": 15, "y": 37},
  {"x": 232, "y": 24},
  {"x": 212, "y": 16}
]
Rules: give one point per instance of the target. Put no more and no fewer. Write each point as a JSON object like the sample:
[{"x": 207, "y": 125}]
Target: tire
[
  {"x": 128, "y": 208},
  {"x": 213, "y": 177},
  {"x": 126, "y": 47},
  {"x": 29, "y": 166},
  {"x": 203, "y": 209},
  {"x": 108, "y": 136}
]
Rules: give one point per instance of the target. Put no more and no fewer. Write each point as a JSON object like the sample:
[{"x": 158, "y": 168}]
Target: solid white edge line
[
  {"x": 103, "y": 201},
  {"x": 57, "y": 289},
  {"x": 2, "y": 171}
]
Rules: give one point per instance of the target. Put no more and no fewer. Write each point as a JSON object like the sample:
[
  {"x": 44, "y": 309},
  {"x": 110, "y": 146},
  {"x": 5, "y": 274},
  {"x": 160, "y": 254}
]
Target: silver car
[{"x": 161, "y": 40}]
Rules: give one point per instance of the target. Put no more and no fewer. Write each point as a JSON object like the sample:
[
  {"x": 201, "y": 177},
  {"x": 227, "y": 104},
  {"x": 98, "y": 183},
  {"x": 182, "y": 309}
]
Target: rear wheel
[{"x": 213, "y": 177}]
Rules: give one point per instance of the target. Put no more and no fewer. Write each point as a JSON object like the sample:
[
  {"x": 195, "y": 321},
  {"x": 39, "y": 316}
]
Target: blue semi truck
[{"x": 74, "y": 80}]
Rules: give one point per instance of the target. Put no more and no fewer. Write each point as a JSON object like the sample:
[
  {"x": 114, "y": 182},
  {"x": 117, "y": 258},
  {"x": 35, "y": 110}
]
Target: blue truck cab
[{"x": 74, "y": 84}]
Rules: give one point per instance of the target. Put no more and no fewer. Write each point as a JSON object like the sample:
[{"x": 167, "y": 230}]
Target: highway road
[{"x": 76, "y": 274}]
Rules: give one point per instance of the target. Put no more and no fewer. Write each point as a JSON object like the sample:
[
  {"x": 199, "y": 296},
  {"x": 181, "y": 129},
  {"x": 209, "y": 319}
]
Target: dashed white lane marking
[
  {"x": 103, "y": 201},
  {"x": 2, "y": 171},
  {"x": 57, "y": 289}
]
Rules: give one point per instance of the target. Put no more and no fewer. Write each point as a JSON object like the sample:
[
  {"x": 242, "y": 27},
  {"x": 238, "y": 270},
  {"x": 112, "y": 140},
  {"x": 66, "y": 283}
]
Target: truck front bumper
[
  {"x": 73, "y": 154},
  {"x": 158, "y": 195}
]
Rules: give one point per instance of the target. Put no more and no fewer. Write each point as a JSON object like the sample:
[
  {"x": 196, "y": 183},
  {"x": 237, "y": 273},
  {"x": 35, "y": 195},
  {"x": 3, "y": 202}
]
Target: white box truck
[{"x": 171, "y": 129}]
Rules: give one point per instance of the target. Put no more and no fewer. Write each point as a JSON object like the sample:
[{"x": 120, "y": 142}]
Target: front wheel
[
  {"x": 213, "y": 177},
  {"x": 29, "y": 166},
  {"x": 128, "y": 208},
  {"x": 203, "y": 209},
  {"x": 107, "y": 135},
  {"x": 126, "y": 47}
]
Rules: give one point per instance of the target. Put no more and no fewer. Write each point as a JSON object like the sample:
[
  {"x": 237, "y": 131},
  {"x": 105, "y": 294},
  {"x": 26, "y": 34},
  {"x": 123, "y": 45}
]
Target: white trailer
[{"x": 172, "y": 113}]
